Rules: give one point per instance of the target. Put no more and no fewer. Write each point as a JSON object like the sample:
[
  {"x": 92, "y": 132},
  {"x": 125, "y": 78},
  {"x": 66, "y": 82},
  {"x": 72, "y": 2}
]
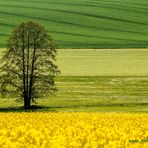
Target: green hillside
[{"x": 81, "y": 23}]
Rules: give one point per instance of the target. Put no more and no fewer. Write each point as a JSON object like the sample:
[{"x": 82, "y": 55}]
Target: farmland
[
  {"x": 103, "y": 62},
  {"x": 98, "y": 80},
  {"x": 102, "y": 90},
  {"x": 87, "y": 130},
  {"x": 83, "y": 23}
]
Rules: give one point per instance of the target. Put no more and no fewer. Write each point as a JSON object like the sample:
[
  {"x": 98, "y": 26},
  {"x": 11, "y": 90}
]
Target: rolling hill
[{"x": 81, "y": 23}]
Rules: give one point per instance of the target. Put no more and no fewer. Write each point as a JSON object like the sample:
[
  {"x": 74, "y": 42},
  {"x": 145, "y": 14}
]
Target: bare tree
[{"x": 27, "y": 66}]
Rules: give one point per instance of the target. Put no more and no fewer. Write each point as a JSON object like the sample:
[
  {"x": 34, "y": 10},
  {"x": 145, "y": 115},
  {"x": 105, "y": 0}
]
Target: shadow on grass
[
  {"x": 34, "y": 108},
  {"x": 42, "y": 108}
]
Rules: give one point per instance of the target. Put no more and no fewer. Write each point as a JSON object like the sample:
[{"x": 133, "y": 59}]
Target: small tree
[{"x": 27, "y": 68}]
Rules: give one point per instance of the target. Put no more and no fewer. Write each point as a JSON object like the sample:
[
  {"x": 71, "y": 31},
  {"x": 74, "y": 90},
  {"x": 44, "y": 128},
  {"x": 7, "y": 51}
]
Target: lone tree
[{"x": 27, "y": 66}]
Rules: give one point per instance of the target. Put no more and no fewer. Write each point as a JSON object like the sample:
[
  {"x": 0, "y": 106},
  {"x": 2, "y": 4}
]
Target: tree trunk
[
  {"x": 26, "y": 102},
  {"x": 27, "y": 59},
  {"x": 32, "y": 73}
]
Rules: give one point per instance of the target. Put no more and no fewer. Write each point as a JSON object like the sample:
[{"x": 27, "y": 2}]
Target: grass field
[
  {"x": 83, "y": 23},
  {"x": 103, "y": 62},
  {"x": 98, "y": 80}
]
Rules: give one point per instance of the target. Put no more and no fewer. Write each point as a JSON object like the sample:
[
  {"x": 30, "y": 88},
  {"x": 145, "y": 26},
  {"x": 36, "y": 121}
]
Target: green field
[
  {"x": 98, "y": 80},
  {"x": 103, "y": 62},
  {"x": 81, "y": 23}
]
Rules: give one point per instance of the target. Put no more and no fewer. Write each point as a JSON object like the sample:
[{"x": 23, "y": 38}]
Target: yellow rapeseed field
[{"x": 73, "y": 130}]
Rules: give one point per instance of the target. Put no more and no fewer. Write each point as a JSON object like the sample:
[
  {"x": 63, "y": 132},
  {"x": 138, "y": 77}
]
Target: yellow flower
[{"x": 73, "y": 130}]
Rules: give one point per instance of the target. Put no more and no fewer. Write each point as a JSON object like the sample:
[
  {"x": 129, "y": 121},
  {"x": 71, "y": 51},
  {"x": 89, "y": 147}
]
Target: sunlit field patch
[{"x": 73, "y": 130}]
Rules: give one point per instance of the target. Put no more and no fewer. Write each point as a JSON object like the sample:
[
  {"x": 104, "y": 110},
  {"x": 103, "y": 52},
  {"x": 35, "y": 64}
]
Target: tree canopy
[{"x": 27, "y": 66}]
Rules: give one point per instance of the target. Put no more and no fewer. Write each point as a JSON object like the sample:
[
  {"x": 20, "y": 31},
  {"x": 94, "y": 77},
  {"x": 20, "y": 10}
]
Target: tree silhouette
[{"x": 27, "y": 66}]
